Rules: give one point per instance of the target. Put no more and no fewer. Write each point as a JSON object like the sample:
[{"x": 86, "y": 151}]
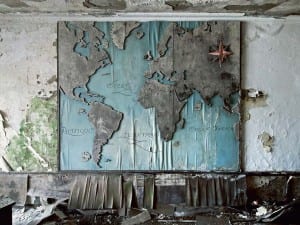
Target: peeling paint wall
[
  {"x": 34, "y": 148},
  {"x": 271, "y": 64},
  {"x": 28, "y": 91},
  {"x": 270, "y": 51}
]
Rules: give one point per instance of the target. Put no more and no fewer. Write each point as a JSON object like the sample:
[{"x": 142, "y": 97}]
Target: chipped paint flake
[{"x": 252, "y": 98}]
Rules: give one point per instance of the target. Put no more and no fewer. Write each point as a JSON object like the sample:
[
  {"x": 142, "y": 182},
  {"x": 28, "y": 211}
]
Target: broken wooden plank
[
  {"x": 128, "y": 193},
  {"x": 149, "y": 192},
  {"x": 215, "y": 190},
  {"x": 59, "y": 185},
  {"x": 140, "y": 218},
  {"x": 96, "y": 192},
  {"x": 203, "y": 191},
  {"x": 114, "y": 192},
  {"x": 100, "y": 188}
]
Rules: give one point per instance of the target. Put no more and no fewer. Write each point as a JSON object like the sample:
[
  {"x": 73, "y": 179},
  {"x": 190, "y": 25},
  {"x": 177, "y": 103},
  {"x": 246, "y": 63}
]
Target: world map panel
[{"x": 149, "y": 95}]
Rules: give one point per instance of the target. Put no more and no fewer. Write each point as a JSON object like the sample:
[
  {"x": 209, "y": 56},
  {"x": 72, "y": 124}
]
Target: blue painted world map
[{"x": 148, "y": 96}]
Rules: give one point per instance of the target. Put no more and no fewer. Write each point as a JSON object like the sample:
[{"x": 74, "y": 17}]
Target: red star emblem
[{"x": 222, "y": 53}]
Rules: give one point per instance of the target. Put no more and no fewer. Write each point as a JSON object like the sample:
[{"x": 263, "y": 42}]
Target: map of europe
[{"x": 149, "y": 95}]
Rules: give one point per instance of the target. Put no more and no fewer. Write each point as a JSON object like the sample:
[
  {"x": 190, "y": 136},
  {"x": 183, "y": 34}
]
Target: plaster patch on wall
[
  {"x": 246, "y": 116},
  {"x": 35, "y": 146},
  {"x": 267, "y": 141},
  {"x": 252, "y": 98}
]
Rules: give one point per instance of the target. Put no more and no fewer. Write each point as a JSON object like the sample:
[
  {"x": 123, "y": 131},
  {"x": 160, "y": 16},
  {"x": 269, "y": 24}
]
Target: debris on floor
[
  {"x": 58, "y": 213},
  {"x": 273, "y": 212},
  {"x": 6, "y": 210},
  {"x": 140, "y": 218},
  {"x": 261, "y": 211},
  {"x": 34, "y": 216}
]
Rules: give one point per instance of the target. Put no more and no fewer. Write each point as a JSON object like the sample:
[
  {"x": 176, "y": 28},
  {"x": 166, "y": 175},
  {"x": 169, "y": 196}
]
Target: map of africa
[{"x": 149, "y": 95}]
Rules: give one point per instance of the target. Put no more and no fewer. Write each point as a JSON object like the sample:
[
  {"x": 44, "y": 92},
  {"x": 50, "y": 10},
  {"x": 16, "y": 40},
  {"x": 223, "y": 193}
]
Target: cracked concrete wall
[{"x": 270, "y": 51}]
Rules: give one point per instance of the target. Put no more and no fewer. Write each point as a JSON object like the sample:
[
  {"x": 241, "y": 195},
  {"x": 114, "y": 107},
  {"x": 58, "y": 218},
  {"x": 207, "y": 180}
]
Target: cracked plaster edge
[
  {"x": 3, "y": 136},
  {"x": 47, "y": 6},
  {"x": 6, "y": 134}
]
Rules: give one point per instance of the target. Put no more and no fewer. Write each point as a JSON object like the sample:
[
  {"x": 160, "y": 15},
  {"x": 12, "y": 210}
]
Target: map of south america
[{"x": 92, "y": 57}]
